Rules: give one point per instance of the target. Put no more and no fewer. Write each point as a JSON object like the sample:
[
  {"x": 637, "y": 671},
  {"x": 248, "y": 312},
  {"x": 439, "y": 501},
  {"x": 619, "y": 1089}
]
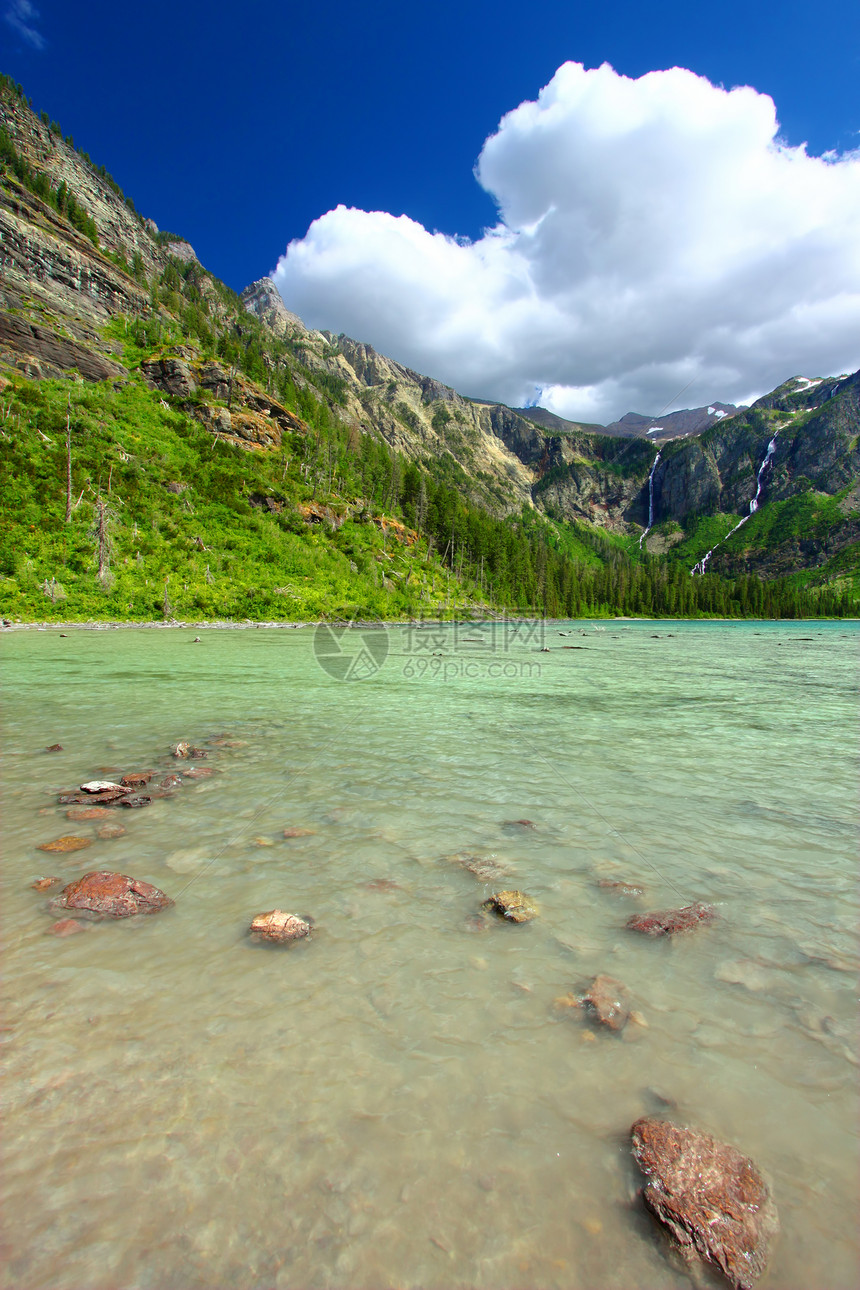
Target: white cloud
[
  {"x": 21, "y": 16},
  {"x": 653, "y": 234}
]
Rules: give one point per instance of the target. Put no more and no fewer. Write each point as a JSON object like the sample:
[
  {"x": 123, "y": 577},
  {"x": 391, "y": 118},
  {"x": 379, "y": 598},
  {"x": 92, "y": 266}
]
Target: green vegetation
[{"x": 61, "y": 198}]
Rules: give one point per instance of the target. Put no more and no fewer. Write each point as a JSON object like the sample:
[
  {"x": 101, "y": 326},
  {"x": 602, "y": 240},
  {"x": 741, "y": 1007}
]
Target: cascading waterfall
[
  {"x": 702, "y": 565},
  {"x": 650, "y": 501}
]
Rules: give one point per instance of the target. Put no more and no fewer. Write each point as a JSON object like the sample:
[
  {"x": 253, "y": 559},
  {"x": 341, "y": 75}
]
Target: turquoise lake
[{"x": 402, "y": 1100}]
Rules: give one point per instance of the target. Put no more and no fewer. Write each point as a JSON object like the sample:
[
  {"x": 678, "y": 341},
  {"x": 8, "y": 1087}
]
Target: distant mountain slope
[{"x": 688, "y": 421}]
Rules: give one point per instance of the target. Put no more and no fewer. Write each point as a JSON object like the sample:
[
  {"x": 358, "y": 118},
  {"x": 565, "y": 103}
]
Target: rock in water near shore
[
  {"x": 100, "y": 786},
  {"x": 113, "y": 895},
  {"x": 712, "y": 1198},
  {"x": 88, "y": 813},
  {"x": 513, "y": 905},
  {"x": 607, "y": 1001},
  {"x": 137, "y": 778},
  {"x": 278, "y": 927},
  {"x": 44, "y": 884},
  {"x": 54, "y": 748},
  {"x": 66, "y": 844},
  {"x": 671, "y": 921}
]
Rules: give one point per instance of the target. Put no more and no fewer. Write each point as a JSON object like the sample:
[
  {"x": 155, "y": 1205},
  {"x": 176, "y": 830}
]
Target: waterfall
[
  {"x": 702, "y": 565},
  {"x": 650, "y": 501}
]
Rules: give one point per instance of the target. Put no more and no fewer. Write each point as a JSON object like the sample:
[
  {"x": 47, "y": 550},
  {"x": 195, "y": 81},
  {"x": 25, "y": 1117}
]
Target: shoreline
[{"x": 248, "y": 624}]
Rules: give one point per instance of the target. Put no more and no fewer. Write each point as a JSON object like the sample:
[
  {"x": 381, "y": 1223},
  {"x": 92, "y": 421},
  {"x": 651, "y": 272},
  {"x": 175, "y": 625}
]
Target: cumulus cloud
[
  {"x": 22, "y": 16},
  {"x": 653, "y": 234}
]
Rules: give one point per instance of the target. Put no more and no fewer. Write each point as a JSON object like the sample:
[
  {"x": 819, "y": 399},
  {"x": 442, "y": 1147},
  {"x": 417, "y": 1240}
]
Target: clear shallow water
[{"x": 398, "y": 1101}]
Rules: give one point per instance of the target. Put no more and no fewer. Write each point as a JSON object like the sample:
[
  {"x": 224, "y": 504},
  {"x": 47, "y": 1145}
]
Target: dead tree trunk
[{"x": 69, "y": 459}]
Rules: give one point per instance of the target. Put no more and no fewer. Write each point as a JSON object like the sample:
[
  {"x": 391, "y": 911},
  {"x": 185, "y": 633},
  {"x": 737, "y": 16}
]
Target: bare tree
[
  {"x": 100, "y": 532},
  {"x": 68, "y": 458}
]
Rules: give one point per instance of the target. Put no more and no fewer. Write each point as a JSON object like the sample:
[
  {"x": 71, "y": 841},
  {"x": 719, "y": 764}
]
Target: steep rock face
[
  {"x": 47, "y": 262},
  {"x": 263, "y": 299}
]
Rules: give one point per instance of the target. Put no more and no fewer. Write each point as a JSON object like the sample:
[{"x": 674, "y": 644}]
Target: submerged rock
[
  {"x": 54, "y": 748},
  {"x": 621, "y": 888},
  {"x": 65, "y": 844},
  {"x": 607, "y": 1001},
  {"x": 137, "y": 778},
  {"x": 279, "y": 927},
  {"x": 113, "y": 895},
  {"x": 170, "y": 781},
  {"x": 513, "y": 905},
  {"x": 65, "y": 927},
  {"x": 514, "y": 826},
  {"x": 88, "y": 813},
  {"x": 484, "y": 868},
  {"x": 299, "y": 833},
  {"x": 135, "y": 799},
  {"x": 111, "y": 831},
  {"x": 711, "y": 1198},
  {"x": 669, "y": 922},
  {"x": 44, "y": 884},
  {"x": 198, "y": 772}
]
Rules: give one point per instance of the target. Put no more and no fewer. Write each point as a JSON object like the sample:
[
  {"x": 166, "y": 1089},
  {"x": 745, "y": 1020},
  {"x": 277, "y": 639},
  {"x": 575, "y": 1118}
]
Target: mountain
[
  {"x": 251, "y": 464},
  {"x": 676, "y": 425}
]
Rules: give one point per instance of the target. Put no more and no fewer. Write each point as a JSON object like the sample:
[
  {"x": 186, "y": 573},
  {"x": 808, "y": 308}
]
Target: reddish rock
[
  {"x": 111, "y": 831},
  {"x": 65, "y": 844},
  {"x": 671, "y": 921},
  {"x": 197, "y": 752},
  {"x": 621, "y": 888},
  {"x": 518, "y": 824},
  {"x": 170, "y": 781},
  {"x": 113, "y": 895},
  {"x": 54, "y": 748},
  {"x": 137, "y": 778},
  {"x": 93, "y": 799},
  {"x": 44, "y": 884},
  {"x": 65, "y": 927},
  {"x": 607, "y": 1001},
  {"x": 278, "y": 927},
  {"x": 135, "y": 799},
  {"x": 198, "y": 772},
  {"x": 299, "y": 833},
  {"x": 712, "y": 1199},
  {"x": 88, "y": 813},
  {"x": 383, "y": 884}
]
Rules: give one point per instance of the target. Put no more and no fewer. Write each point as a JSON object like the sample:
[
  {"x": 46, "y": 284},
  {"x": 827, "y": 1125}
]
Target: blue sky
[{"x": 237, "y": 126}]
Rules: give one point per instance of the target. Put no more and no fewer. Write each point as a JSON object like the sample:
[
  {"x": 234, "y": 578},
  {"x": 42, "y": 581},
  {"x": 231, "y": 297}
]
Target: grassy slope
[{"x": 126, "y": 447}]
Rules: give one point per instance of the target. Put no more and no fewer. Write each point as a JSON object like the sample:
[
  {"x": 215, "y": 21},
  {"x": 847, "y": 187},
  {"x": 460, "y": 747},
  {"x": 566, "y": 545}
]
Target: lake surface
[{"x": 400, "y": 1100}]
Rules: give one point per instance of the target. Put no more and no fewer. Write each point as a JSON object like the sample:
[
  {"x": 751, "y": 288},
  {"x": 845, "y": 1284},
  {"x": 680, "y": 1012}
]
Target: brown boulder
[
  {"x": 113, "y": 895},
  {"x": 278, "y": 927},
  {"x": 65, "y": 844},
  {"x": 92, "y": 799},
  {"x": 712, "y": 1199},
  {"x": 137, "y": 778},
  {"x": 135, "y": 799},
  {"x": 669, "y": 922},
  {"x": 170, "y": 781},
  {"x": 54, "y": 748},
  {"x": 607, "y": 1001},
  {"x": 516, "y": 906}
]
